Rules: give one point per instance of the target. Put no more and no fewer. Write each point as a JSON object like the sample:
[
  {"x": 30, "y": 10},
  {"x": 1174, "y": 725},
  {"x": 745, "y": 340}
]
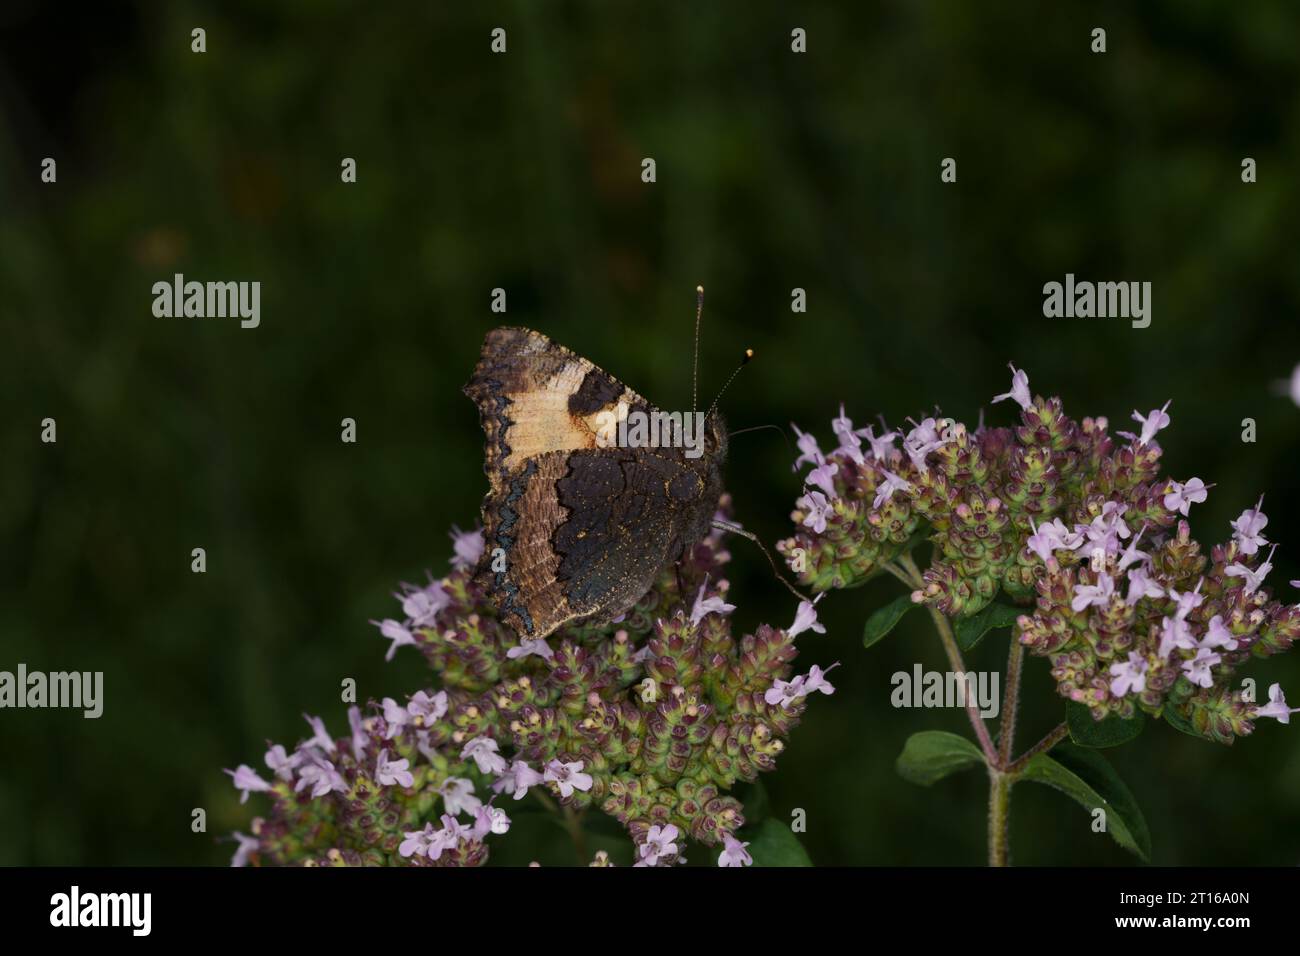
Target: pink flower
[
  {"x": 1151, "y": 423},
  {"x": 1093, "y": 595},
  {"x": 1105, "y": 531},
  {"x": 567, "y": 776},
  {"x": 425, "y": 709},
  {"x": 467, "y": 547},
  {"x": 458, "y": 796},
  {"x": 1019, "y": 389},
  {"x": 784, "y": 693},
  {"x": 816, "y": 680},
  {"x": 1291, "y": 386},
  {"x": 850, "y": 443},
  {"x": 818, "y": 508},
  {"x": 1248, "y": 529},
  {"x": 249, "y": 845},
  {"x": 1276, "y": 706},
  {"x": 360, "y": 735},
  {"x": 396, "y": 632},
  {"x": 320, "y": 736},
  {"x": 1129, "y": 676},
  {"x": 1252, "y": 579},
  {"x": 880, "y": 447},
  {"x": 658, "y": 844},
  {"x": 526, "y": 647},
  {"x": 247, "y": 780},
  {"x": 489, "y": 819},
  {"x": 1198, "y": 668},
  {"x": 887, "y": 487},
  {"x": 1181, "y": 497},
  {"x": 1218, "y": 635},
  {"x": 393, "y": 772},
  {"x": 1051, "y": 537},
  {"x": 1187, "y": 601},
  {"x": 919, "y": 442},
  {"x": 320, "y": 775},
  {"x": 421, "y": 605},
  {"x": 734, "y": 852},
  {"x": 448, "y": 838},
  {"x": 417, "y": 842},
  {"x": 1174, "y": 632},
  {"x": 805, "y": 619},
  {"x": 484, "y": 752},
  {"x": 705, "y": 606},
  {"x": 395, "y": 716},
  {"x": 517, "y": 780},
  {"x": 1142, "y": 585},
  {"x": 808, "y": 450},
  {"x": 281, "y": 763},
  {"x": 1132, "y": 555},
  {"x": 823, "y": 477}
]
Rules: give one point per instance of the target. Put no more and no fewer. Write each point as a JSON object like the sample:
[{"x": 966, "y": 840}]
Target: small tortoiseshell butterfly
[{"x": 575, "y": 528}]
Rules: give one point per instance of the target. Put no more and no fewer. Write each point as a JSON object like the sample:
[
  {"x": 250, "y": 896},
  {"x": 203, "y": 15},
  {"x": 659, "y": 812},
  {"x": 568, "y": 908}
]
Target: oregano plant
[
  {"x": 1069, "y": 539},
  {"x": 656, "y": 725}
]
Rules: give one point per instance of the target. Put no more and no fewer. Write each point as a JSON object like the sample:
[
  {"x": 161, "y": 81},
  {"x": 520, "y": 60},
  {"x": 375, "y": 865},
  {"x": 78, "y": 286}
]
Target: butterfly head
[{"x": 715, "y": 436}]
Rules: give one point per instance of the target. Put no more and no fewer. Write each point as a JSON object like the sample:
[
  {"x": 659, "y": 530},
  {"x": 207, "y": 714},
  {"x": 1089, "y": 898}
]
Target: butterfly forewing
[{"x": 575, "y": 528}]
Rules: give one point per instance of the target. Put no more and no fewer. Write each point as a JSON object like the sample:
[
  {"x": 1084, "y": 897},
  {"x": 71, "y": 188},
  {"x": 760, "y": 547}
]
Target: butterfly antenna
[
  {"x": 737, "y": 529},
  {"x": 754, "y": 428},
  {"x": 695, "y": 368},
  {"x": 749, "y": 354}
]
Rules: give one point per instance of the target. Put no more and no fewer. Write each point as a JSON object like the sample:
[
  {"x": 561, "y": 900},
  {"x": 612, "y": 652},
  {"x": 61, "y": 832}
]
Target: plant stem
[
  {"x": 959, "y": 667},
  {"x": 1054, "y": 737},
  {"x": 1010, "y": 701},
  {"x": 956, "y": 663},
  {"x": 571, "y": 820},
  {"x": 573, "y": 823},
  {"x": 999, "y": 816},
  {"x": 1002, "y": 770},
  {"x": 910, "y": 580}
]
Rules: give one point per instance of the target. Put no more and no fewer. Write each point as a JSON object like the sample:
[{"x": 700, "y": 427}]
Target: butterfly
[{"x": 577, "y": 528}]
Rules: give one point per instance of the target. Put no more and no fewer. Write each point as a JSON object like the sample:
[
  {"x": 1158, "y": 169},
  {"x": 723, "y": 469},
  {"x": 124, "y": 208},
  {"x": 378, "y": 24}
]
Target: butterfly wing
[{"x": 574, "y": 527}]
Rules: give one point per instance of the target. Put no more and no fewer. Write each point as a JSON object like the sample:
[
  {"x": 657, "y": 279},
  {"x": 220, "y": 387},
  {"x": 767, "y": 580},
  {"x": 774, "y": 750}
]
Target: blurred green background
[{"x": 522, "y": 171}]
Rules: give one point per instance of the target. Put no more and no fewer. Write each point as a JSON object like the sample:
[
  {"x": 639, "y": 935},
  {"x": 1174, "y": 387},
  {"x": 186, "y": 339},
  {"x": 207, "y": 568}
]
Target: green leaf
[
  {"x": 920, "y": 535},
  {"x": 773, "y": 843},
  {"x": 933, "y": 754},
  {"x": 753, "y": 797},
  {"x": 1087, "y": 778},
  {"x": 883, "y": 619},
  {"x": 1111, "y": 732},
  {"x": 1180, "y": 723},
  {"x": 971, "y": 630}
]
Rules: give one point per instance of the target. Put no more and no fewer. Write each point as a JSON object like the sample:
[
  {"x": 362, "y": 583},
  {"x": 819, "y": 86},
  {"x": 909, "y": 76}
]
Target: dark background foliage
[{"x": 522, "y": 171}]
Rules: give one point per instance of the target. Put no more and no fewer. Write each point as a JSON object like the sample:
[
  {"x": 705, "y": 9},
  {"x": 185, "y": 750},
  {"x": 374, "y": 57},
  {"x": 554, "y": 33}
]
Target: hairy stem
[
  {"x": 573, "y": 823},
  {"x": 999, "y": 816},
  {"x": 1054, "y": 737},
  {"x": 956, "y": 663},
  {"x": 571, "y": 820},
  {"x": 1010, "y": 701},
  {"x": 959, "y": 667},
  {"x": 902, "y": 575}
]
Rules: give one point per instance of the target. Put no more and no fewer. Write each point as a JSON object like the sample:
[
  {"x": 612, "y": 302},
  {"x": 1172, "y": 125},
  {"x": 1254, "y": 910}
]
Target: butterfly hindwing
[
  {"x": 630, "y": 512},
  {"x": 574, "y": 528}
]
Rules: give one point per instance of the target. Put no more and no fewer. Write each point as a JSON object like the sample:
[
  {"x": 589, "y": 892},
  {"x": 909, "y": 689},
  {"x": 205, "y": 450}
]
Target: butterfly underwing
[{"x": 577, "y": 528}]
